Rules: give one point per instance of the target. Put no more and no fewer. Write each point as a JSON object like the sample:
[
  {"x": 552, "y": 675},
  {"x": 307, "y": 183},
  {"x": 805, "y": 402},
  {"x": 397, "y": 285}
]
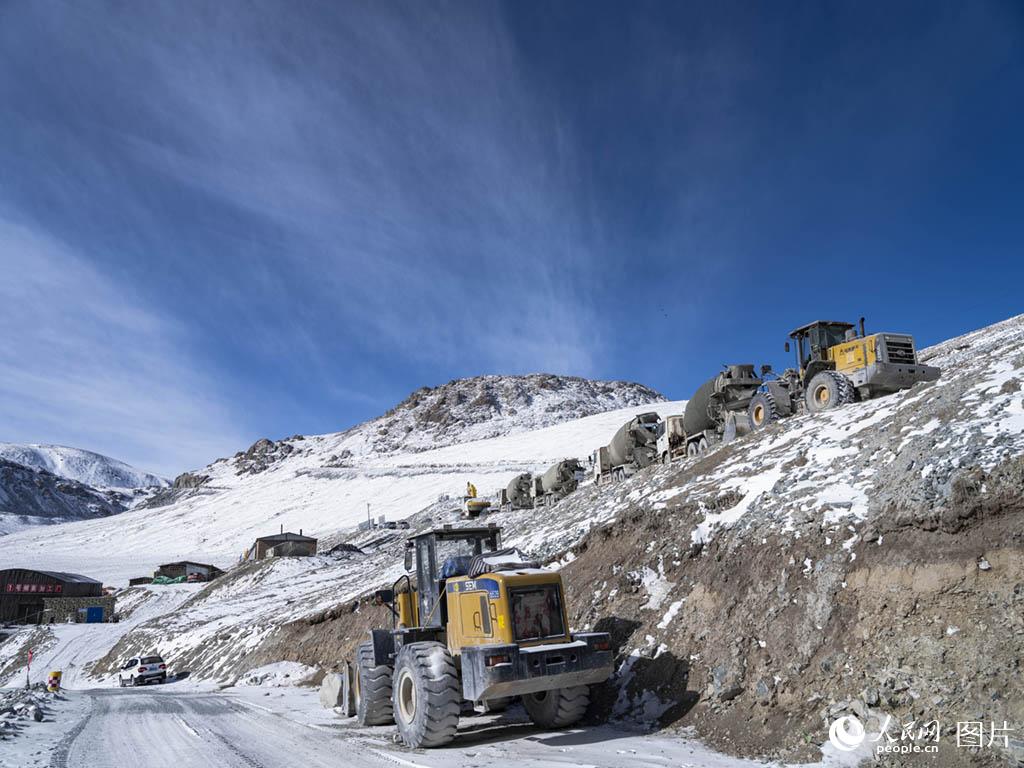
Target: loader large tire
[
  {"x": 427, "y": 697},
  {"x": 828, "y": 390},
  {"x": 558, "y": 708},
  {"x": 763, "y": 410},
  {"x": 373, "y": 689}
]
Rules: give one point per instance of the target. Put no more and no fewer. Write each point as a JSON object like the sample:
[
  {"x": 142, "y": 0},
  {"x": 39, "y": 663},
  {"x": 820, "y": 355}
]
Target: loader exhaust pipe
[{"x": 862, "y": 334}]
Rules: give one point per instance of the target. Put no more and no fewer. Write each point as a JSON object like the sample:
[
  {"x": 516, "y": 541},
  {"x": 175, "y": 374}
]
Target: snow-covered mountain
[
  {"x": 397, "y": 463},
  {"x": 464, "y": 410},
  {"x": 31, "y": 497},
  {"x": 82, "y": 466},
  {"x": 48, "y": 484}
]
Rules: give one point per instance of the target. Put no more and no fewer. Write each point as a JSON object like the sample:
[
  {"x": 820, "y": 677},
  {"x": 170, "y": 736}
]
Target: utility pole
[{"x": 369, "y": 520}]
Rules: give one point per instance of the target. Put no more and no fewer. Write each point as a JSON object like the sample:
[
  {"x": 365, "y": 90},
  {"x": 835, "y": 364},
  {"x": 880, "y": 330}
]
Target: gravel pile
[{"x": 21, "y": 707}]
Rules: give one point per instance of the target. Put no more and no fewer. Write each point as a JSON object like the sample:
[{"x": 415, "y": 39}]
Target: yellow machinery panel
[
  {"x": 853, "y": 355},
  {"x": 479, "y": 611},
  {"x": 476, "y": 624}
]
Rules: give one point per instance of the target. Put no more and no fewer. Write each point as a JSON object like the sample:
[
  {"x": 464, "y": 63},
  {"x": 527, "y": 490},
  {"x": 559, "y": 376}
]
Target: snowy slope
[
  {"x": 302, "y": 486},
  {"x": 73, "y": 648}
]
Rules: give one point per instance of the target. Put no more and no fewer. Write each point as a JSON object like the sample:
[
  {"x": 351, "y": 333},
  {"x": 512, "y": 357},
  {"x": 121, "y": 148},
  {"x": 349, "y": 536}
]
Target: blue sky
[{"x": 225, "y": 220}]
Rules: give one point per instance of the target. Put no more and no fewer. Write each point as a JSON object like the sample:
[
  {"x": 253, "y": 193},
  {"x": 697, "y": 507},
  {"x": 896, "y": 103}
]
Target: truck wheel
[
  {"x": 702, "y": 446},
  {"x": 828, "y": 390},
  {"x": 691, "y": 450},
  {"x": 373, "y": 689},
  {"x": 763, "y": 410},
  {"x": 558, "y": 708},
  {"x": 427, "y": 697}
]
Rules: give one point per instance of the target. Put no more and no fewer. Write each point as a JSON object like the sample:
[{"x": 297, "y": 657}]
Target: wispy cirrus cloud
[
  {"x": 84, "y": 363},
  {"x": 425, "y": 200}
]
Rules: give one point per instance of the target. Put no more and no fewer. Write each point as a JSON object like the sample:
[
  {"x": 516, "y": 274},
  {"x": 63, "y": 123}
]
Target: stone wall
[{"x": 60, "y": 610}]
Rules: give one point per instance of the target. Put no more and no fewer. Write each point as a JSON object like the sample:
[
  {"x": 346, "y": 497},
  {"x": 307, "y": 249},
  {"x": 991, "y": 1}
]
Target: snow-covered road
[
  {"x": 175, "y": 730},
  {"x": 176, "y": 726}
]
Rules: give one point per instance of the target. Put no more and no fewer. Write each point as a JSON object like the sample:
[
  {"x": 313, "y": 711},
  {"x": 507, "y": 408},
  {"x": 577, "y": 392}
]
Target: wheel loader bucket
[{"x": 737, "y": 424}]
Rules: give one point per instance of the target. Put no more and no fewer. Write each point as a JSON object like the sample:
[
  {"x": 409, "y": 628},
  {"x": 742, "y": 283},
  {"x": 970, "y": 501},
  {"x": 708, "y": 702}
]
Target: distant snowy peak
[
  {"x": 490, "y": 406},
  {"x": 86, "y": 467}
]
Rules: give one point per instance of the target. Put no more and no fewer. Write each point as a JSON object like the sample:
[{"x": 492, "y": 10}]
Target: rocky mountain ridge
[
  {"x": 477, "y": 408},
  {"x": 50, "y": 484}
]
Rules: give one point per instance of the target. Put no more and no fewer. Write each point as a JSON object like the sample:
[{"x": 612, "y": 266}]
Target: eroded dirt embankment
[{"x": 759, "y": 640}]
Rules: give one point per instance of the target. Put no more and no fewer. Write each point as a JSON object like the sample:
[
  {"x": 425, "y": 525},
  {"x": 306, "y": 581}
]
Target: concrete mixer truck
[
  {"x": 718, "y": 409},
  {"x": 517, "y": 494},
  {"x": 558, "y": 482},
  {"x": 633, "y": 447}
]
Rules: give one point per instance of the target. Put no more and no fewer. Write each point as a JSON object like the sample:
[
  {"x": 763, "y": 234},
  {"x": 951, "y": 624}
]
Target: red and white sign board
[{"x": 41, "y": 589}]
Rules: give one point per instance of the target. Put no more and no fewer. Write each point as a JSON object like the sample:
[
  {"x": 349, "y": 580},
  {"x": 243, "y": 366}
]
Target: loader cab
[
  {"x": 813, "y": 341},
  {"x": 443, "y": 554}
]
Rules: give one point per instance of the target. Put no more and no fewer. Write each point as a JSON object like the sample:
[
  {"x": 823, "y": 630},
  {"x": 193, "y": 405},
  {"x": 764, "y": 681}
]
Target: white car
[{"x": 142, "y": 670}]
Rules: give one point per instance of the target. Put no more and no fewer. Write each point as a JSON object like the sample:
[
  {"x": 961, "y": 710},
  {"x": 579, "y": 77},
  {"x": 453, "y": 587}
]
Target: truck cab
[{"x": 671, "y": 439}]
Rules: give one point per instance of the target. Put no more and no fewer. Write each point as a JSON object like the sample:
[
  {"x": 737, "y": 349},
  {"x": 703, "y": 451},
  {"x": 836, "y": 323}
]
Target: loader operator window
[
  {"x": 824, "y": 337},
  {"x": 453, "y": 555},
  {"x": 537, "y": 612}
]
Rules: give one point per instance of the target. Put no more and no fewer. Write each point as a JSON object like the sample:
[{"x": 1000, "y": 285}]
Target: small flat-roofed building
[
  {"x": 284, "y": 544},
  {"x": 186, "y": 568}
]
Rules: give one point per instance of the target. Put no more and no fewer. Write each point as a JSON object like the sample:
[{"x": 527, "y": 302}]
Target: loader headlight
[{"x": 501, "y": 658}]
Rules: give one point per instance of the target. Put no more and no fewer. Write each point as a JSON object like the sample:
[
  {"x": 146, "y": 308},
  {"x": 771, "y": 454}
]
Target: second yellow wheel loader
[
  {"x": 834, "y": 366},
  {"x": 478, "y": 625}
]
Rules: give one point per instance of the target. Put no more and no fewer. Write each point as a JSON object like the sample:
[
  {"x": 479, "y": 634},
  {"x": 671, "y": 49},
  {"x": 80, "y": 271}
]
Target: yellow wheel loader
[
  {"x": 474, "y": 624},
  {"x": 834, "y": 366}
]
